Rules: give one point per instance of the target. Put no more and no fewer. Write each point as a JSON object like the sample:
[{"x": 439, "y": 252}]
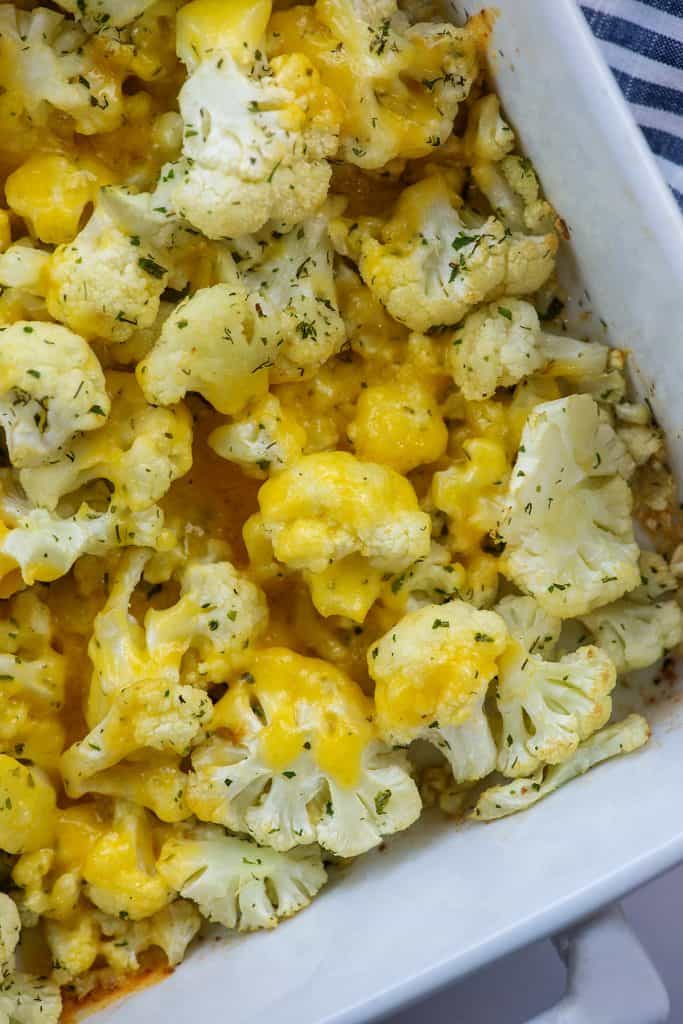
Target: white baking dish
[{"x": 442, "y": 901}]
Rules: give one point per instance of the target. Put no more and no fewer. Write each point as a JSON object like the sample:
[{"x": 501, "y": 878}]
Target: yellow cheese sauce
[{"x": 304, "y": 704}]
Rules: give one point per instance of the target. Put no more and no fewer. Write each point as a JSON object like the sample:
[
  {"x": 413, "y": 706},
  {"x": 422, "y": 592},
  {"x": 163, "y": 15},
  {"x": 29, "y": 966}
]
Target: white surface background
[{"x": 521, "y": 985}]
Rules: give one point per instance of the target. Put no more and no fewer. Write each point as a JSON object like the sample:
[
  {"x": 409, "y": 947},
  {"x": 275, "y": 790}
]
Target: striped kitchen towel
[{"x": 642, "y": 41}]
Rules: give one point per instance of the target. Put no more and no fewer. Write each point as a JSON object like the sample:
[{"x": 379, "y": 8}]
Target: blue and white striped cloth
[{"x": 642, "y": 41}]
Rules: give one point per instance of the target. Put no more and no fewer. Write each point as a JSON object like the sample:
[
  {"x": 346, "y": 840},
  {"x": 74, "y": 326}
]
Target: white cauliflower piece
[
  {"x": 430, "y": 263},
  {"x": 47, "y": 888},
  {"x": 102, "y": 13},
  {"x": 621, "y": 738},
  {"x": 207, "y": 632},
  {"x": 547, "y": 707},
  {"x": 330, "y": 505},
  {"x": 153, "y": 780},
  {"x": 254, "y": 144},
  {"x": 23, "y": 267},
  {"x": 434, "y": 579},
  {"x": 91, "y": 937},
  {"x": 495, "y": 347},
  {"x": 140, "y": 449},
  {"x": 30, "y": 666},
  {"x": 488, "y": 137},
  {"x": 401, "y": 84},
  {"x": 265, "y": 439},
  {"x": 10, "y": 930},
  {"x": 567, "y": 525},
  {"x": 238, "y": 884},
  {"x": 105, "y": 283},
  {"x": 512, "y": 189},
  {"x": 639, "y": 629},
  {"x": 24, "y": 999},
  {"x": 44, "y": 545},
  {"x": 55, "y": 68},
  {"x": 635, "y": 635},
  {"x": 218, "y": 616},
  {"x": 656, "y": 578},
  {"x": 432, "y": 672},
  {"x": 503, "y": 342},
  {"x": 294, "y": 279},
  {"x": 51, "y": 387},
  {"x": 149, "y": 714},
  {"x": 295, "y": 759},
  {"x": 218, "y": 342},
  {"x": 643, "y": 442},
  {"x": 530, "y": 625}
]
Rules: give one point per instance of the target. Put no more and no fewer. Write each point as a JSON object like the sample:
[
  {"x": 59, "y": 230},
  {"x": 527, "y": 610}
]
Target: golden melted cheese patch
[{"x": 291, "y": 704}]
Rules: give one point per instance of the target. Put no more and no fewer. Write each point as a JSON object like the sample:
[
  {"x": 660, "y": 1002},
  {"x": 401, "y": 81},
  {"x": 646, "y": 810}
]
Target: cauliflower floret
[
  {"x": 530, "y": 625},
  {"x": 47, "y": 888},
  {"x": 27, "y": 999},
  {"x": 401, "y": 84},
  {"x": 150, "y": 713},
  {"x": 51, "y": 387},
  {"x": 30, "y": 667},
  {"x": 52, "y": 65},
  {"x": 488, "y": 137},
  {"x": 639, "y": 629},
  {"x": 24, "y": 999},
  {"x": 255, "y": 139},
  {"x": 547, "y": 707},
  {"x": 512, "y": 189},
  {"x": 119, "y": 869},
  {"x": 644, "y": 442},
  {"x": 90, "y": 936},
  {"x": 371, "y": 332},
  {"x": 44, "y": 545},
  {"x": 105, "y": 283},
  {"x": 502, "y": 343},
  {"x": 10, "y": 929},
  {"x": 432, "y": 672},
  {"x": 567, "y": 524},
  {"x": 154, "y": 780},
  {"x": 330, "y": 505},
  {"x": 218, "y": 615},
  {"x": 50, "y": 880},
  {"x": 206, "y": 633},
  {"x": 431, "y": 580},
  {"x": 495, "y": 347},
  {"x": 294, "y": 759},
  {"x": 656, "y": 578},
  {"x": 100, "y": 13},
  {"x": 294, "y": 280},
  {"x": 430, "y": 262},
  {"x": 636, "y": 635},
  {"x": 238, "y": 884},
  {"x": 343, "y": 523},
  {"x": 23, "y": 268},
  {"x": 33, "y": 677},
  {"x": 28, "y": 802},
  {"x": 220, "y": 343},
  {"x": 140, "y": 450},
  {"x": 621, "y": 738},
  {"x": 265, "y": 439},
  {"x": 398, "y": 424}
]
